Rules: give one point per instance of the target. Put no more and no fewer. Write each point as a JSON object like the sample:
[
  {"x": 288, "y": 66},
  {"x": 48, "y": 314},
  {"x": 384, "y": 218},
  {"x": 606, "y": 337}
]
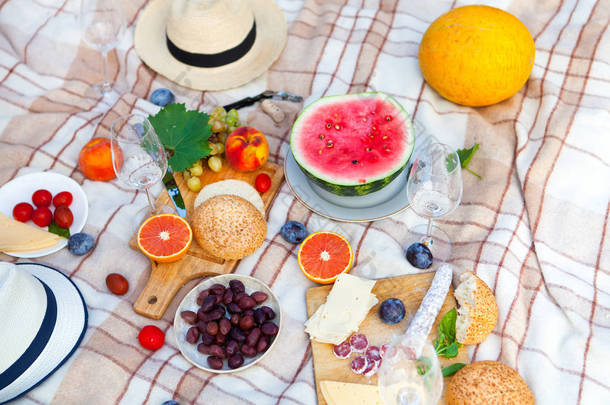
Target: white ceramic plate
[
  {"x": 189, "y": 303},
  {"x": 21, "y": 189},
  {"x": 389, "y": 201}
]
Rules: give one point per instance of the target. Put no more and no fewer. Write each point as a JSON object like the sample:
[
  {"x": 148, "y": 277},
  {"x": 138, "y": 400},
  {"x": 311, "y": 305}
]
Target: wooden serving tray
[
  {"x": 167, "y": 278},
  {"x": 411, "y": 290}
]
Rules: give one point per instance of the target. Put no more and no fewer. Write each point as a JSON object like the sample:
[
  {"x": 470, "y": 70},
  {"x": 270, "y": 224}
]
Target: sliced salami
[
  {"x": 359, "y": 364},
  {"x": 383, "y": 349},
  {"x": 343, "y": 350},
  {"x": 371, "y": 368},
  {"x": 359, "y": 343},
  {"x": 373, "y": 354}
]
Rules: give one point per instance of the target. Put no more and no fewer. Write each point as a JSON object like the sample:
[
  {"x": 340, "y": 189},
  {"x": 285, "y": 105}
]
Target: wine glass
[
  {"x": 102, "y": 25},
  {"x": 434, "y": 189},
  {"x": 138, "y": 156}
]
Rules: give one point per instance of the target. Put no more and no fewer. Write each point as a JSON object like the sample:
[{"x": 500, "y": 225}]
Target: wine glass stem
[
  {"x": 106, "y": 83},
  {"x": 150, "y": 202},
  {"x": 427, "y": 240}
]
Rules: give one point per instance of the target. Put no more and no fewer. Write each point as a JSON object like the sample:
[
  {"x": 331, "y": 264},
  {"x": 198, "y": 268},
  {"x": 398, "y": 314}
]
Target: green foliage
[
  {"x": 58, "y": 230},
  {"x": 452, "y": 369},
  {"x": 445, "y": 343},
  {"x": 184, "y": 134}
]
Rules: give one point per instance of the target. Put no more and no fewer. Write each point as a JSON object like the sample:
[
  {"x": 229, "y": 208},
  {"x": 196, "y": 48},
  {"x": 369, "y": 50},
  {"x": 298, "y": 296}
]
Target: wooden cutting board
[
  {"x": 167, "y": 278},
  {"x": 411, "y": 290}
]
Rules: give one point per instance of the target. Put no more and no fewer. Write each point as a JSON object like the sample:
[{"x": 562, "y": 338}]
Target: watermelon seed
[
  {"x": 329, "y": 144},
  {"x": 328, "y": 125},
  {"x": 368, "y": 149},
  {"x": 374, "y": 128},
  {"x": 321, "y": 136},
  {"x": 388, "y": 118},
  {"x": 320, "y": 152},
  {"x": 371, "y": 136},
  {"x": 364, "y": 119},
  {"x": 337, "y": 127},
  {"x": 355, "y": 162},
  {"x": 384, "y": 137}
]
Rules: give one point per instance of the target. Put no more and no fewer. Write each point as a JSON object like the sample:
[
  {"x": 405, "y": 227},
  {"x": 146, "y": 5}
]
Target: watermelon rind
[{"x": 343, "y": 188}]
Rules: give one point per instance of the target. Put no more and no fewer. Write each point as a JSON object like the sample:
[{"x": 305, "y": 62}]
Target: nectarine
[
  {"x": 95, "y": 160},
  {"x": 246, "y": 149}
]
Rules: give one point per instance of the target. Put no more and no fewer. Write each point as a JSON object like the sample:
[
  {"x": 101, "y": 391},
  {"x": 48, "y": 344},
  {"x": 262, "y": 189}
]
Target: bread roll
[
  {"x": 228, "y": 227},
  {"x": 477, "y": 312},
  {"x": 488, "y": 383}
]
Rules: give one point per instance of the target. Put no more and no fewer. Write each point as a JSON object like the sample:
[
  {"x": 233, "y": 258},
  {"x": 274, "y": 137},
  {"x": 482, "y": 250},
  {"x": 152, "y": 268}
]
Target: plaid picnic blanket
[{"x": 535, "y": 228}]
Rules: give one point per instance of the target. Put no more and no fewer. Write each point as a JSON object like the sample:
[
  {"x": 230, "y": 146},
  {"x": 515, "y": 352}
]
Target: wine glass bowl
[
  {"x": 102, "y": 24},
  {"x": 434, "y": 190},
  {"x": 138, "y": 156}
]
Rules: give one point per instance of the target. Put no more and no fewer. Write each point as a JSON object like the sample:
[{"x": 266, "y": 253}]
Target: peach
[
  {"x": 95, "y": 160},
  {"x": 246, "y": 149}
]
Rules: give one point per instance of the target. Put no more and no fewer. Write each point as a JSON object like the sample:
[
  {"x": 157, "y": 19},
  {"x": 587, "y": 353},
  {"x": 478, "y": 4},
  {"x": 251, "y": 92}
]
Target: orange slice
[
  {"x": 165, "y": 237},
  {"x": 324, "y": 255}
]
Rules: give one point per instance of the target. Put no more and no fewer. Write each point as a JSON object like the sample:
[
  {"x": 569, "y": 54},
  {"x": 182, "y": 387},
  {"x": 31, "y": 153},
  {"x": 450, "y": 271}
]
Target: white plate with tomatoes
[{"x": 60, "y": 191}]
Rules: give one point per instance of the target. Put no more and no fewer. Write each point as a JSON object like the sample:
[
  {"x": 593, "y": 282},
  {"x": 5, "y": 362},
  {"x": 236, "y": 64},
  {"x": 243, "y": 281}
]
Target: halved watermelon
[{"x": 353, "y": 144}]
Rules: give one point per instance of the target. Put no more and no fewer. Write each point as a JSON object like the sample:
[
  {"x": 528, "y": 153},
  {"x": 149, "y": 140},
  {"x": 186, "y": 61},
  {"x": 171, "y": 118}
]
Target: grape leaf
[
  {"x": 465, "y": 157},
  {"x": 184, "y": 134},
  {"x": 58, "y": 230}
]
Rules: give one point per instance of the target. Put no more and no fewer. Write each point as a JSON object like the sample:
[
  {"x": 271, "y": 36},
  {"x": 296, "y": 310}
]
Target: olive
[
  {"x": 237, "y": 334},
  {"x": 203, "y": 349},
  {"x": 236, "y": 361},
  {"x": 218, "y": 299},
  {"x": 269, "y": 328},
  {"x": 263, "y": 344},
  {"x": 215, "y": 362},
  {"x": 221, "y": 339},
  {"x": 228, "y": 297},
  {"x": 248, "y": 312},
  {"x": 259, "y": 316},
  {"x": 189, "y": 317},
  {"x": 246, "y": 302},
  {"x": 248, "y": 351},
  {"x": 201, "y": 325},
  {"x": 259, "y": 297},
  {"x": 192, "y": 335},
  {"x": 235, "y": 319},
  {"x": 201, "y": 296},
  {"x": 216, "y": 350},
  {"x": 207, "y": 339},
  {"x": 234, "y": 308},
  {"x": 246, "y": 322},
  {"x": 237, "y": 286},
  {"x": 232, "y": 347},
  {"x": 208, "y": 303},
  {"x": 212, "y": 328},
  {"x": 268, "y": 312},
  {"x": 216, "y": 314},
  {"x": 225, "y": 326},
  {"x": 253, "y": 337},
  {"x": 239, "y": 296},
  {"x": 218, "y": 289}
]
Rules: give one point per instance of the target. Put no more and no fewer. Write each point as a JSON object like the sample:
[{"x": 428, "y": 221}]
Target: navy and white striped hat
[{"x": 43, "y": 319}]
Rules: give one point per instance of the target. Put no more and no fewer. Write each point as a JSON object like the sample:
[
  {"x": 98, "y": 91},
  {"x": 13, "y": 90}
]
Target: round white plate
[
  {"x": 389, "y": 201},
  {"x": 189, "y": 303},
  {"x": 21, "y": 189}
]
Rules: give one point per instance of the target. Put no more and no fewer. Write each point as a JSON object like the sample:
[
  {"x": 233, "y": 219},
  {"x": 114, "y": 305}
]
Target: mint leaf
[
  {"x": 451, "y": 351},
  {"x": 445, "y": 343},
  {"x": 452, "y": 369},
  {"x": 465, "y": 157},
  {"x": 58, "y": 230},
  {"x": 447, "y": 325},
  {"x": 184, "y": 134}
]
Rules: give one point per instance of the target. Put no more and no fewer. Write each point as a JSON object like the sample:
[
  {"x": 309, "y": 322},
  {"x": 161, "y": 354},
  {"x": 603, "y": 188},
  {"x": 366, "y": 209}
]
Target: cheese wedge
[
  {"x": 17, "y": 237},
  {"x": 347, "y": 304},
  {"x": 340, "y": 393}
]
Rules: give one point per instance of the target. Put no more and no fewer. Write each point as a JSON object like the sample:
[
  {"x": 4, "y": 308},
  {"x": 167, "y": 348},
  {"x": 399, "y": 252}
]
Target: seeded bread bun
[
  {"x": 477, "y": 312},
  {"x": 228, "y": 226},
  {"x": 231, "y": 187},
  {"x": 488, "y": 383}
]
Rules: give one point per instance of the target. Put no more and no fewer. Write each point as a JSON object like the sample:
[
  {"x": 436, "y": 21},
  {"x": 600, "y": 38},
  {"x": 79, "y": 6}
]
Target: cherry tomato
[
  {"x": 42, "y": 216},
  {"x": 151, "y": 337},
  {"x": 262, "y": 183},
  {"x": 63, "y": 198},
  {"x": 117, "y": 284},
  {"x": 63, "y": 216},
  {"x": 23, "y": 212},
  {"x": 42, "y": 198}
]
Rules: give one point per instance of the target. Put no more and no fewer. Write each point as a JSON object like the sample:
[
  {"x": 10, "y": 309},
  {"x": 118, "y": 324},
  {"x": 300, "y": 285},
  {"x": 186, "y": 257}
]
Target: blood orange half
[
  {"x": 324, "y": 255},
  {"x": 165, "y": 237}
]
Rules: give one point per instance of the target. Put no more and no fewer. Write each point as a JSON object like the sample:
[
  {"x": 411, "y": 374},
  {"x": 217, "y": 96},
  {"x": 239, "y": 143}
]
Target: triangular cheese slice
[
  {"x": 340, "y": 393},
  {"x": 16, "y": 237}
]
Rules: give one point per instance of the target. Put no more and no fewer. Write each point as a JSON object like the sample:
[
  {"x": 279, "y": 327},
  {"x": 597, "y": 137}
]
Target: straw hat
[
  {"x": 210, "y": 44},
  {"x": 44, "y": 318}
]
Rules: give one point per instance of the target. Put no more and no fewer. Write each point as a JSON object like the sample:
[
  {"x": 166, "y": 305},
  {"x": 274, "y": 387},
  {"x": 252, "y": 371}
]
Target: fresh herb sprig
[
  {"x": 465, "y": 156},
  {"x": 452, "y": 369},
  {"x": 445, "y": 344},
  {"x": 58, "y": 230}
]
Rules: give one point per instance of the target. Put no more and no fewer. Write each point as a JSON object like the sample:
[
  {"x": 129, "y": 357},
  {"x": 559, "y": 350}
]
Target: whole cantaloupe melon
[{"x": 476, "y": 55}]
